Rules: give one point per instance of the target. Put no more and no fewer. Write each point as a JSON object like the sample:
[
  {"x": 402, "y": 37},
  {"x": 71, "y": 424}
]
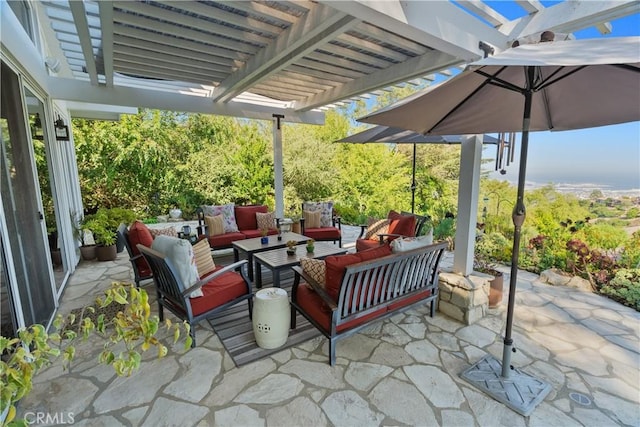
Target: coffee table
[
  {"x": 253, "y": 246},
  {"x": 277, "y": 260}
]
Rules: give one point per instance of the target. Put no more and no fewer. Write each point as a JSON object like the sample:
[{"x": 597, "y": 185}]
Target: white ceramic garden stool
[{"x": 271, "y": 317}]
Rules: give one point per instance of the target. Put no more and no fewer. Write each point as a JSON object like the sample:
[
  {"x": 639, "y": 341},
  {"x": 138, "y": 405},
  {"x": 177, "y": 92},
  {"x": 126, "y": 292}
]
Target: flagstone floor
[{"x": 402, "y": 371}]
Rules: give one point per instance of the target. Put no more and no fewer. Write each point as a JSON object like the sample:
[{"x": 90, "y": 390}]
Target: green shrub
[
  {"x": 602, "y": 235},
  {"x": 624, "y": 287},
  {"x": 633, "y": 213}
]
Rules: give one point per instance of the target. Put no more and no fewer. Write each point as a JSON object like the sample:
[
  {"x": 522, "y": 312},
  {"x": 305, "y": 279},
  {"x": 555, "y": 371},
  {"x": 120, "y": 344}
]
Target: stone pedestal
[{"x": 464, "y": 298}]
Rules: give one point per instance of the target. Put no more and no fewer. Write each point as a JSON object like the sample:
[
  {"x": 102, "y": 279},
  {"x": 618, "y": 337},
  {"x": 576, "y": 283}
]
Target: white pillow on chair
[
  {"x": 182, "y": 257},
  {"x": 410, "y": 243}
]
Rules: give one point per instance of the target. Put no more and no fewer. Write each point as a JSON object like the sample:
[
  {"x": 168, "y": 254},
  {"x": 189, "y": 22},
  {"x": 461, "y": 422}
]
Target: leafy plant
[
  {"x": 105, "y": 222},
  {"x": 624, "y": 287},
  {"x": 34, "y": 348}
]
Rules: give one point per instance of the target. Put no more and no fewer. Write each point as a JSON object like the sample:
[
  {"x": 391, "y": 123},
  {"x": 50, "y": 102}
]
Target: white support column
[
  {"x": 468, "y": 190},
  {"x": 277, "y": 165}
]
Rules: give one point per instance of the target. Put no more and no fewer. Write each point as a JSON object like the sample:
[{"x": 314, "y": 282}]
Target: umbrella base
[{"x": 520, "y": 391}]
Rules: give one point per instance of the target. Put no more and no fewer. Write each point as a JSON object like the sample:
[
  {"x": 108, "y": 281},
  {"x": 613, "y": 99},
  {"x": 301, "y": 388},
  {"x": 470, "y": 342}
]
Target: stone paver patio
[{"x": 402, "y": 371}]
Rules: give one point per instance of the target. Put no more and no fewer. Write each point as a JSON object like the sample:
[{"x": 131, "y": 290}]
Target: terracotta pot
[
  {"x": 106, "y": 253},
  {"x": 88, "y": 252},
  {"x": 495, "y": 289}
]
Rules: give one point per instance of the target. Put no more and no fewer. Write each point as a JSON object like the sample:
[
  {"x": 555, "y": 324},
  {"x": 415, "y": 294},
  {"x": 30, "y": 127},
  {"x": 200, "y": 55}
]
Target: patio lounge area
[{"x": 401, "y": 371}]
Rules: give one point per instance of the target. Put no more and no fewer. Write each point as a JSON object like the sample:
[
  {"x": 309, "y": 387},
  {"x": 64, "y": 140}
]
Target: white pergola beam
[
  {"x": 531, "y": 6},
  {"x": 432, "y": 62},
  {"x": 106, "y": 23},
  {"x": 174, "y": 30},
  {"x": 126, "y": 96},
  {"x": 320, "y": 25},
  {"x": 126, "y": 35},
  {"x": 191, "y": 22},
  {"x": 232, "y": 18},
  {"x": 484, "y": 11},
  {"x": 438, "y": 24},
  {"x": 82, "y": 27},
  {"x": 570, "y": 16}
]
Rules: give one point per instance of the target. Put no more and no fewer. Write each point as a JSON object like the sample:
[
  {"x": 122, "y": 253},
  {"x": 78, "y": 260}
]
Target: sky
[{"x": 605, "y": 158}]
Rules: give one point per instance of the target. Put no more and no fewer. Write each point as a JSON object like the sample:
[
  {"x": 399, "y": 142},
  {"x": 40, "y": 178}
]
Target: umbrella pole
[
  {"x": 413, "y": 181},
  {"x": 518, "y": 216}
]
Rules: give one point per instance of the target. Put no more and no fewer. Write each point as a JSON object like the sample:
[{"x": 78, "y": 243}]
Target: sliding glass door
[{"x": 25, "y": 270}]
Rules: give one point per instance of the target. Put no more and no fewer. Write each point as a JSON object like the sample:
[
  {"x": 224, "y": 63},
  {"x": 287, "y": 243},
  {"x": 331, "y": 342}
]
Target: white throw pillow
[
  {"x": 410, "y": 243},
  {"x": 183, "y": 259}
]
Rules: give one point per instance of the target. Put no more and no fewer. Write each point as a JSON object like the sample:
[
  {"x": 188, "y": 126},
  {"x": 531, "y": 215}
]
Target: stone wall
[{"x": 465, "y": 299}]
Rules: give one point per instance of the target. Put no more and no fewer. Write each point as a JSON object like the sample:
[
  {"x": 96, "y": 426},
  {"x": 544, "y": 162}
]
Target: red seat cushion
[
  {"x": 322, "y": 233},
  {"x": 405, "y": 225},
  {"x": 364, "y": 244},
  {"x": 139, "y": 234},
  {"x": 313, "y": 305},
  {"x": 336, "y": 264},
  {"x": 218, "y": 291},
  {"x": 224, "y": 240},
  {"x": 246, "y": 216},
  {"x": 415, "y": 298}
]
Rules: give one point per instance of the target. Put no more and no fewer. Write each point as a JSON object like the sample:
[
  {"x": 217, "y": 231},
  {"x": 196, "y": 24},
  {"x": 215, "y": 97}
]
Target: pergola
[{"x": 271, "y": 60}]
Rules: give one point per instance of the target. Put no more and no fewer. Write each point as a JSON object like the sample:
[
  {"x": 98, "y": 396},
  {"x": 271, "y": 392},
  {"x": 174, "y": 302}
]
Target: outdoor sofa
[{"x": 366, "y": 286}]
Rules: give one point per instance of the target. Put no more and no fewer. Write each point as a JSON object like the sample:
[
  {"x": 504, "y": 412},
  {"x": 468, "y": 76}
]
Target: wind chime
[{"x": 505, "y": 150}]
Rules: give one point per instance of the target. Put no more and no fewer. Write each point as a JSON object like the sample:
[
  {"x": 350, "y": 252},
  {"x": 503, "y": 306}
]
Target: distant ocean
[{"x": 584, "y": 189}]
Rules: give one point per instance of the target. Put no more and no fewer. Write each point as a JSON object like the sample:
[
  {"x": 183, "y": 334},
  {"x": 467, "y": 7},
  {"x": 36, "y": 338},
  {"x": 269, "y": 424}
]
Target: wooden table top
[
  {"x": 254, "y": 245},
  {"x": 279, "y": 258}
]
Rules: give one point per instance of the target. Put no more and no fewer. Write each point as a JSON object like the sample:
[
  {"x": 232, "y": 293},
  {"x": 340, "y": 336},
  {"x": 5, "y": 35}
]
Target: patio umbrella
[
  {"x": 560, "y": 85},
  {"x": 392, "y": 135}
]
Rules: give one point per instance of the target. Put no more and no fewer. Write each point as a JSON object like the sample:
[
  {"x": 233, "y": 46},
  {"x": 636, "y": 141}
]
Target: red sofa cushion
[
  {"x": 404, "y": 225},
  {"x": 246, "y": 216},
  {"x": 139, "y": 234},
  {"x": 364, "y": 244},
  {"x": 313, "y": 305},
  {"x": 322, "y": 233},
  {"x": 224, "y": 240},
  {"x": 218, "y": 291},
  {"x": 336, "y": 264},
  {"x": 415, "y": 298}
]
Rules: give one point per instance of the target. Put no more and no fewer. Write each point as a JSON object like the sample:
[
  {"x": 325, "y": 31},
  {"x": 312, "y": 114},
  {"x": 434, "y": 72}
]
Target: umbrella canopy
[
  {"x": 391, "y": 135},
  {"x": 577, "y": 84},
  {"x": 394, "y": 135},
  {"x": 560, "y": 85}
]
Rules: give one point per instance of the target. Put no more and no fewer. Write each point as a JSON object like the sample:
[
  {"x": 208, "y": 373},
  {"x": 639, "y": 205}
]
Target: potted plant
[
  {"x": 119, "y": 216},
  {"x": 104, "y": 230},
  {"x": 88, "y": 251},
  {"x": 264, "y": 239},
  {"x": 34, "y": 348},
  {"x": 291, "y": 247},
  {"x": 104, "y": 225},
  {"x": 488, "y": 249},
  {"x": 310, "y": 245}
]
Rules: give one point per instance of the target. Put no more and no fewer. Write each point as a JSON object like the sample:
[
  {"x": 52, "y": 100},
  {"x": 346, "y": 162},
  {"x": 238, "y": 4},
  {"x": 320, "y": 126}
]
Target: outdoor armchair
[
  {"x": 403, "y": 224},
  {"x": 141, "y": 269},
  {"x": 221, "y": 289},
  {"x": 320, "y": 223}
]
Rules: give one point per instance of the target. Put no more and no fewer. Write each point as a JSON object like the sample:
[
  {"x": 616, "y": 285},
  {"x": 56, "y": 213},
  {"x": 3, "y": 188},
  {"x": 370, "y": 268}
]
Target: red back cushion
[
  {"x": 404, "y": 225},
  {"x": 335, "y": 266},
  {"x": 246, "y": 216},
  {"x": 139, "y": 233}
]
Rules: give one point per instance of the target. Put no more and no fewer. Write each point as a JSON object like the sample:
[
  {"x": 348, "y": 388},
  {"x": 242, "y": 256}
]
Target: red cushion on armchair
[
  {"x": 404, "y": 225},
  {"x": 140, "y": 233}
]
